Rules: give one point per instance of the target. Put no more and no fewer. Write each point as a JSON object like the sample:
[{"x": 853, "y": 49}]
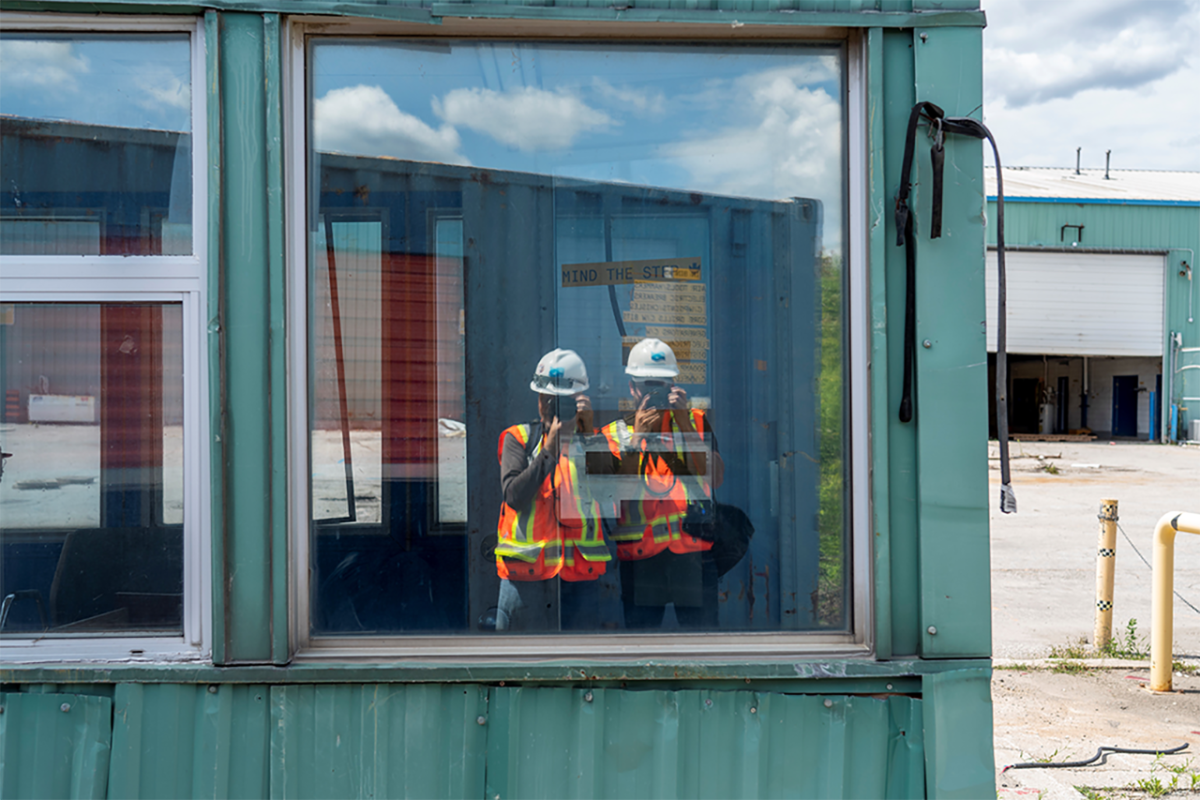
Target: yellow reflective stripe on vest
[
  {"x": 590, "y": 530},
  {"x": 664, "y": 526},
  {"x": 594, "y": 552},
  {"x": 552, "y": 551},
  {"x": 521, "y": 531},
  {"x": 517, "y": 540}
]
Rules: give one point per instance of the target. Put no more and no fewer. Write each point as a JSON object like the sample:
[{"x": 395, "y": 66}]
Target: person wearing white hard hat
[
  {"x": 548, "y": 527},
  {"x": 661, "y": 537}
]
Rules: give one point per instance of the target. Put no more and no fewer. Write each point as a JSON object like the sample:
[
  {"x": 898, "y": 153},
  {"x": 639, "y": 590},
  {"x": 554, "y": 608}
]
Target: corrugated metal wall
[
  {"x": 54, "y": 745},
  {"x": 173, "y": 740},
  {"x": 1174, "y": 229},
  {"x": 1104, "y": 225},
  {"x": 697, "y": 5},
  {"x": 446, "y": 740}
]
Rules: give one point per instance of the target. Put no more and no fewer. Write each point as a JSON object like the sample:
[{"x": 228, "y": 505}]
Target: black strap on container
[{"x": 966, "y": 126}]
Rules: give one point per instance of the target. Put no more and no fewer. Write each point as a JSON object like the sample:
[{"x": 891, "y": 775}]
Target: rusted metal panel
[
  {"x": 172, "y": 740},
  {"x": 580, "y": 742},
  {"x": 378, "y": 740},
  {"x": 54, "y": 745}
]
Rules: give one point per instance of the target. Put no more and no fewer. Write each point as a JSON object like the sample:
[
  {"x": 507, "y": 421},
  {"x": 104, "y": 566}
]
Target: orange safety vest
[
  {"x": 653, "y": 524},
  {"x": 535, "y": 544}
]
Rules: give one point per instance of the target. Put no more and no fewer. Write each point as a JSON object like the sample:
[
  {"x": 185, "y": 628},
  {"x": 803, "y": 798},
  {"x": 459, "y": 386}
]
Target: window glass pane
[
  {"x": 492, "y": 221},
  {"x": 91, "y": 496},
  {"x": 96, "y": 145}
]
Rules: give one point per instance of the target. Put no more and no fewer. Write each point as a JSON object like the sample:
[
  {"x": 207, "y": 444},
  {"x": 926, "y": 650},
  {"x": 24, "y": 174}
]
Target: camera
[
  {"x": 657, "y": 394},
  {"x": 565, "y": 409}
]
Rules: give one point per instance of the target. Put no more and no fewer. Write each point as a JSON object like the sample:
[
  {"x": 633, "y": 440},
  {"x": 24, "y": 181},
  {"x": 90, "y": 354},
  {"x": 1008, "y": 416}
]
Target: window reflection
[
  {"x": 95, "y": 145},
  {"x": 506, "y": 205},
  {"x": 91, "y": 498}
]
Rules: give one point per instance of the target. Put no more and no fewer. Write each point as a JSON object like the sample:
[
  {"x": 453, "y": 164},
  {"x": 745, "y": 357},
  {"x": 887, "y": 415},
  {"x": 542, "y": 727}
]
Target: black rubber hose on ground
[{"x": 1098, "y": 759}]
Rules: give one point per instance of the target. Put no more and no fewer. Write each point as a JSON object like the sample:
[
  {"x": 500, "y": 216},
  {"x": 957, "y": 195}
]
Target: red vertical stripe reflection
[
  {"x": 409, "y": 372},
  {"x": 131, "y": 391}
]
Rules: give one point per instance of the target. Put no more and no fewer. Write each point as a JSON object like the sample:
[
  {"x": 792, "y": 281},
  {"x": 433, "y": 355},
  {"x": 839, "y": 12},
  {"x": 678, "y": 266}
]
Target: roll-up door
[{"x": 1084, "y": 304}]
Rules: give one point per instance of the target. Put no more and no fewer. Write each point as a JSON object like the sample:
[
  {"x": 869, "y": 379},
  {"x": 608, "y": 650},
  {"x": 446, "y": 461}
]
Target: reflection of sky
[
  {"x": 133, "y": 82},
  {"x": 763, "y": 122}
]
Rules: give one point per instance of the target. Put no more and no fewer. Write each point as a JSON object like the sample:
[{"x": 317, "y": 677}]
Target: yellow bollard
[
  {"x": 1161, "y": 611},
  {"x": 1106, "y": 558}
]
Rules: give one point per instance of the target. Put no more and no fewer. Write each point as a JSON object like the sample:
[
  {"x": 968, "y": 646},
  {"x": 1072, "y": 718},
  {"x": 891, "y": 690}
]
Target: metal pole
[
  {"x": 1161, "y": 612},
  {"x": 1106, "y": 559}
]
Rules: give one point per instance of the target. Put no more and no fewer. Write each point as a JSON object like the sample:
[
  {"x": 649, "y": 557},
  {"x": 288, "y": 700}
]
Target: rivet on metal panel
[
  {"x": 481, "y": 719},
  {"x": 65, "y": 707},
  {"x": 889, "y": 687},
  {"x": 708, "y": 703},
  {"x": 928, "y": 344},
  {"x": 932, "y": 630},
  {"x": 924, "y": 37},
  {"x": 588, "y": 697},
  {"x": 212, "y": 688},
  {"x": 753, "y": 710},
  {"x": 829, "y": 704}
]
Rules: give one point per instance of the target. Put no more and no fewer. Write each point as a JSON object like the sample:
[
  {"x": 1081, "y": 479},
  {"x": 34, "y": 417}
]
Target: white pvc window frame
[
  {"x": 179, "y": 279},
  {"x": 856, "y": 642}
]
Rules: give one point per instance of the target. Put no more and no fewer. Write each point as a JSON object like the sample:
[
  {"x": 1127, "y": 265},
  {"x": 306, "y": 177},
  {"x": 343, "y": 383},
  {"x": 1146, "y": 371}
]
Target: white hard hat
[
  {"x": 560, "y": 372},
  {"x": 652, "y": 358}
]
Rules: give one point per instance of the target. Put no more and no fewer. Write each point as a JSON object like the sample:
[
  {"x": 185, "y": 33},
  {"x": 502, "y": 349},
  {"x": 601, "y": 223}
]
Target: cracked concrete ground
[{"x": 1043, "y": 600}]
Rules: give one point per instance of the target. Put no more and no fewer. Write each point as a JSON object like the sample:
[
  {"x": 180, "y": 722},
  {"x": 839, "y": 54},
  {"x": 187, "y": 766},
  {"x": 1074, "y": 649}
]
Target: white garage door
[{"x": 1080, "y": 304}]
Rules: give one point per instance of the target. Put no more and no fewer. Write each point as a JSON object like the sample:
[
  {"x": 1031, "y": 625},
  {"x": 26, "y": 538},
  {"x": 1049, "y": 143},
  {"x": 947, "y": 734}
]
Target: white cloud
[
  {"x": 652, "y": 103},
  {"x": 1157, "y": 127},
  {"x": 1096, "y": 74},
  {"x": 789, "y": 146},
  {"x": 527, "y": 118},
  {"x": 1127, "y": 60},
  {"x": 164, "y": 89},
  {"x": 40, "y": 64},
  {"x": 364, "y": 120}
]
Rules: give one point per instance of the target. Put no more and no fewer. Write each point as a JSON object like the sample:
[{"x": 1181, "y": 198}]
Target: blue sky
[
  {"x": 1102, "y": 74},
  {"x": 142, "y": 83},
  {"x": 766, "y": 123},
  {"x": 1120, "y": 75}
]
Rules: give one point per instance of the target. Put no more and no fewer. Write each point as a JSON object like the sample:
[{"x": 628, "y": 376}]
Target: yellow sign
[
  {"x": 668, "y": 308},
  {"x": 676, "y": 334},
  {"x": 666, "y": 293},
  {"x": 614, "y": 273},
  {"x": 660, "y": 318},
  {"x": 693, "y": 372}
]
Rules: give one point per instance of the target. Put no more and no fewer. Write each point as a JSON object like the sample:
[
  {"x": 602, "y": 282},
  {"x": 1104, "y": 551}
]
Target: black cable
[
  {"x": 1101, "y": 757},
  {"x": 1147, "y": 563},
  {"x": 905, "y": 235}
]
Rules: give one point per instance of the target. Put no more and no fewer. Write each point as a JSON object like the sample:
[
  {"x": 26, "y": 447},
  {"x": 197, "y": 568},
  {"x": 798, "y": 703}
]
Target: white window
[
  {"x": 103, "y": 497},
  {"x": 676, "y": 216}
]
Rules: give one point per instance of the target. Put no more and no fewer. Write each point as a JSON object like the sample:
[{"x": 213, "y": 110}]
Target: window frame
[
  {"x": 179, "y": 279},
  {"x": 857, "y": 641}
]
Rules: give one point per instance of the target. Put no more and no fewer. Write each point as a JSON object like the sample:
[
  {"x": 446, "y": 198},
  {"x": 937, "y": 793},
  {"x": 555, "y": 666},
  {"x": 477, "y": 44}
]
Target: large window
[
  {"x": 101, "y": 335},
  {"x": 576, "y": 342}
]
